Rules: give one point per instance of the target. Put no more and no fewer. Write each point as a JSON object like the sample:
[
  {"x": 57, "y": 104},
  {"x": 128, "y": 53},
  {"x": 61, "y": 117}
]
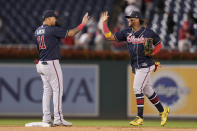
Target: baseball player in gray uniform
[
  {"x": 142, "y": 64},
  {"x": 47, "y": 38}
]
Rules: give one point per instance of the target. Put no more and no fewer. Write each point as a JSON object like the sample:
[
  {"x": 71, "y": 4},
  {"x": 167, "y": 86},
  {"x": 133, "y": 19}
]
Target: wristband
[
  {"x": 81, "y": 26},
  {"x": 105, "y": 28},
  {"x": 108, "y": 35}
]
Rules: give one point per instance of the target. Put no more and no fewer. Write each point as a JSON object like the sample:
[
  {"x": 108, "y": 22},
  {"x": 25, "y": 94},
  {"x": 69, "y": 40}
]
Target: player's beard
[{"x": 130, "y": 24}]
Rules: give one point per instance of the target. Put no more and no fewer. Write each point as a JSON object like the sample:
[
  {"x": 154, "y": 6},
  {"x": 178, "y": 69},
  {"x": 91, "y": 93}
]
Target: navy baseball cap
[
  {"x": 135, "y": 14},
  {"x": 49, "y": 13}
]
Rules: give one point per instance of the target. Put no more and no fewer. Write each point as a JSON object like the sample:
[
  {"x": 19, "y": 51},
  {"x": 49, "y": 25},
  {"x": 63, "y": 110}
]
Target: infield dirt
[{"x": 6, "y": 128}]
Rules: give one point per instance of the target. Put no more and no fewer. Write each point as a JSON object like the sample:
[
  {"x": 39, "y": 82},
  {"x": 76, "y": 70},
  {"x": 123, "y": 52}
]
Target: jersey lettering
[
  {"x": 134, "y": 40},
  {"x": 40, "y": 32},
  {"x": 41, "y": 42}
]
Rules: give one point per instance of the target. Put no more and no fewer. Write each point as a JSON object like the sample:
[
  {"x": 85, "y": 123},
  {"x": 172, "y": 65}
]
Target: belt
[{"x": 44, "y": 63}]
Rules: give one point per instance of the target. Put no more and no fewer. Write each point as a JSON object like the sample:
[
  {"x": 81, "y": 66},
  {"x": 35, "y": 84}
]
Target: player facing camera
[
  {"x": 51, "y": 18},
  {"x": 139, "y": 39},
  {"x": 134, "y": 18}
]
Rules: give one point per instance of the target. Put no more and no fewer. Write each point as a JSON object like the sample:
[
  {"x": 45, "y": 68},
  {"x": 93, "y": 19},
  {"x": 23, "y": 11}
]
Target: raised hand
[
  {"x": 104, "y": 16},
  {"x": 85, "y": 19}
]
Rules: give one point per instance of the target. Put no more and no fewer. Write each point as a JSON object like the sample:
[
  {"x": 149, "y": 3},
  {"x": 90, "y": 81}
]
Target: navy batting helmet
[
  {"x": 49, "y": 13},
  {"x": 135, "y": 14}
]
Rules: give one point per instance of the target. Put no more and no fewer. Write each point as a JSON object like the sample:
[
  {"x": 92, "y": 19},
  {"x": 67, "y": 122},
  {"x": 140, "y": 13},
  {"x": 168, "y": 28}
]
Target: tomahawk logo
[{"x": 171, "y": 89}]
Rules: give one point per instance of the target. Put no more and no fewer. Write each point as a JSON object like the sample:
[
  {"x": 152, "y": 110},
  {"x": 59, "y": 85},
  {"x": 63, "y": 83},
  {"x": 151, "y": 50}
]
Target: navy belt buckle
[{"x": 44, "y": 63}]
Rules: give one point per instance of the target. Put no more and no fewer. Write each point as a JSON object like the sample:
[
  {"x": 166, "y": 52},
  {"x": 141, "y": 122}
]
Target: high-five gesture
[
  {"x": 85, "y": 19},
  {"x": 104, "y": 16},
  {"x": 73, "y": 32}
]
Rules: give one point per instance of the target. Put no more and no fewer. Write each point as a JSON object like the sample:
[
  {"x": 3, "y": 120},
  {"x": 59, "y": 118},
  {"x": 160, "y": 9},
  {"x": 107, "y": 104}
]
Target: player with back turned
[
  {"x": 47, "y": 38},
  {"x": 142, "y": 62}
]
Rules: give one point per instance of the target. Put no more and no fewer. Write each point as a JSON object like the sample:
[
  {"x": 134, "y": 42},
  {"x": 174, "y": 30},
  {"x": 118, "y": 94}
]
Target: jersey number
[{"x": 41, "y": 43}]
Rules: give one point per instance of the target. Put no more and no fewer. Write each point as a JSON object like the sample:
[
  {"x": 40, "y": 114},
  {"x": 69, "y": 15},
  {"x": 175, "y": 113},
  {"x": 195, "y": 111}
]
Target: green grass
[{"x": 94, "y": 122}]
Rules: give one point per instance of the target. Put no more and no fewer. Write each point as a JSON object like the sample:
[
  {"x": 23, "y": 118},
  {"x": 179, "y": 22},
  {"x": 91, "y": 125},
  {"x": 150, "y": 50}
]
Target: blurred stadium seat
[
  {"x": 178, "y": 9},
  {"x": 21, "y": 17}
]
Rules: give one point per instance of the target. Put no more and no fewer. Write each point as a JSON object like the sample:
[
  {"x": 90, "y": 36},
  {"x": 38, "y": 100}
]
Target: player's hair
[{"x": 141, "y": 22}]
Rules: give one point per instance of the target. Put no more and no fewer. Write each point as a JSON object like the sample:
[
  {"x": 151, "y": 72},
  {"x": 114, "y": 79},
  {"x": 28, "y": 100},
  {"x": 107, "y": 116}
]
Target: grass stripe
[{"x": 94, "y": 122}]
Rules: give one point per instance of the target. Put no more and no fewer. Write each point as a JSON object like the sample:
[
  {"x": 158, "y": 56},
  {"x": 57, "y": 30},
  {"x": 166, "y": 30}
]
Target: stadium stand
[
  {"x": 176, "y": 8},
  {"x": 21, "y": 17}
]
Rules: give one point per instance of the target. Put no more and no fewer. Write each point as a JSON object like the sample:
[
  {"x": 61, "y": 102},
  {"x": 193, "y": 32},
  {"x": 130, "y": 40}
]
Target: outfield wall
[
  {"x": 176, "y": 87},
  {"x": 97, "y": 89}
]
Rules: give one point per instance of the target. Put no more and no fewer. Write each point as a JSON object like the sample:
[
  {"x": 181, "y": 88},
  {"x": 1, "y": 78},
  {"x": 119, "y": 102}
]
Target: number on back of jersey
[{"x": 41, "y": 42}]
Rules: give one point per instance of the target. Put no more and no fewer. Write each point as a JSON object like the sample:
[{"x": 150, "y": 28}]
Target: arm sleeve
[
  {"x": 120, "y": 36},
  {"x": 157, "y": 48},
  {"x": 60, "y": 32},
  {"x": 156, "y": 38}
]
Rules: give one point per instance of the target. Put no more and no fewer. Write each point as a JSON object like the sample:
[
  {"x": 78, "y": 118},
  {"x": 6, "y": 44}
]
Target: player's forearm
[
  {"x": 107, "y": 32},
  {"x": 74, "y": 31}
]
